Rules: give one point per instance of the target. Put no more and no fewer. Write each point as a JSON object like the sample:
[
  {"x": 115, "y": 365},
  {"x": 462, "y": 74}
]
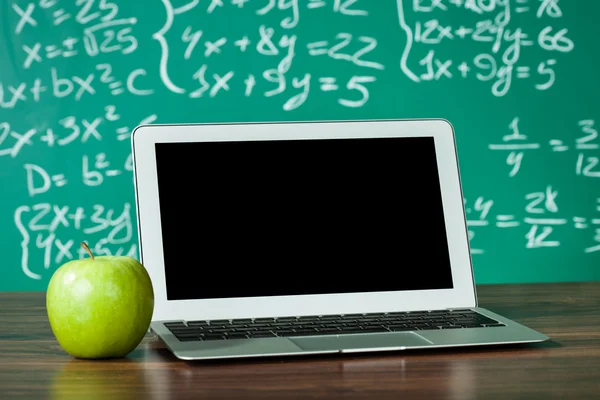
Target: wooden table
[{"x": 32, "y": 364}]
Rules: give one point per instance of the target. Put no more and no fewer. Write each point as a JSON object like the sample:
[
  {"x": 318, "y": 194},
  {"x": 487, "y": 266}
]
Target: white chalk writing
[{"x": 79, "y": 76}]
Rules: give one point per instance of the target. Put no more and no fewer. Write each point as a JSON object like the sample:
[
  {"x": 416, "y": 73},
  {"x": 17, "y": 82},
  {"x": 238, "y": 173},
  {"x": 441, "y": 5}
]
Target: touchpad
[{"x": 377, "y": 341}]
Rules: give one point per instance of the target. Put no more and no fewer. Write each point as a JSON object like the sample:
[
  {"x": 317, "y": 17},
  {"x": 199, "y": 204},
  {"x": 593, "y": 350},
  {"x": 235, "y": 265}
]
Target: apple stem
[{"x": 85, "y": 246}]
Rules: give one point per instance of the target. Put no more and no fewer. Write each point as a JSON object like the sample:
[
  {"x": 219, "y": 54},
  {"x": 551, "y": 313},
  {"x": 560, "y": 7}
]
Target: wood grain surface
[{"x": 33, "y": 365}]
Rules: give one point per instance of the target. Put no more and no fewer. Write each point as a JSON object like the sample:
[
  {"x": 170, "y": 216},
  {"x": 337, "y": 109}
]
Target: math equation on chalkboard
[
  {"x": 190, "y": 58},
  {"x": 518, "y": 79}
]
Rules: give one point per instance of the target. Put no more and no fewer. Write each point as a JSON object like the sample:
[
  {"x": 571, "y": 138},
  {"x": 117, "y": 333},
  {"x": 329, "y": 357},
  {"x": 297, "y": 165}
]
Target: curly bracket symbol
[
  {"x": 409, "y": 43},
  {"x": 159, "y": 36},
  {"x": 24, "y": 243}
]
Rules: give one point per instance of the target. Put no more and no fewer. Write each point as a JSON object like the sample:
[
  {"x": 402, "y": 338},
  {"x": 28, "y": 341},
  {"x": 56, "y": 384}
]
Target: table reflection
[
  {"x": 100, "y": 379},
  {"x": 302, "y": 377}
]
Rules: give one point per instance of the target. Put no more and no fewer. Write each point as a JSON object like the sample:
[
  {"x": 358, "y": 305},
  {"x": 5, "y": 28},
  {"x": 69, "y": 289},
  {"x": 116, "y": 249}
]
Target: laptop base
[{"x": 511, "y": 333}]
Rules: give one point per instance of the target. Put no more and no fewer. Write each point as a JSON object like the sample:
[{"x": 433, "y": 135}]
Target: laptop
[{"x": 302, "y": 238}]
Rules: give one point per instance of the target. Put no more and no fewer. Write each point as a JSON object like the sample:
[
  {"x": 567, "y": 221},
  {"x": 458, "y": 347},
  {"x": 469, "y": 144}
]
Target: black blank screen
[{"x": 291, "y": 217}]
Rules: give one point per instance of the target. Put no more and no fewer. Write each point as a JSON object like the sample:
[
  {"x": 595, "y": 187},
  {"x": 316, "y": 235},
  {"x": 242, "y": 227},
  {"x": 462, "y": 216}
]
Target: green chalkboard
[{"x": 518, "y": 79}]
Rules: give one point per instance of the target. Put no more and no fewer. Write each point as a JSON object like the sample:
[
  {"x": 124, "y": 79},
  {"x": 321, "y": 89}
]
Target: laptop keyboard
[{"x": 226, "y": 329}]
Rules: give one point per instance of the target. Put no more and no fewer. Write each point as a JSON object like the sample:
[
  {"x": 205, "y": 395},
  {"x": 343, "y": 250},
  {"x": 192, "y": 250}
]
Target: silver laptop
[{"x": 273, "y": 239}]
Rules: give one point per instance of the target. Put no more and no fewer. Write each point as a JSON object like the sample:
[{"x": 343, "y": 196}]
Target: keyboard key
[
  {"x": 400, "y": 328},
  {"x": 305, "y": 323},
  {"x": 210, "y": 336},
  {"x": 174, "y": 324},
  {"x": 260, "y": 325},
  {"x": 397, "y": 314},
  {"x": 182, "y": 328},
  {"x": 309, "y": 318},
  {"x": 266, "y": 330},
  {"x": 465, "y": 320},
  {"x": 374, "y": 329},
  {"x": 372, "y": 323},
  {"x": 465, "y": 314},
  {"x": 220, "y": 329},
  {"x": 190, "y": 339},
  {"x": 236, "y": 335},
  {"x": 188, "y": 334},
  {"x": 197, "y": 323},
  {"x": 241, "y": 321},
  {"x": 328, "y": 325},
  {"x": 351, "y": 329},
  {"x": 472, "y": 325},
  {"x": 486, "y": 320},
  {"x": 330, "y": 317},
  {"x": 369, "y": 319},
  {"x": 220, "y": 322},
  {"x": 305, "y": 332},
  {"x": 286, "y": 319},
  {"x": 437, "y": 319},
  {"x": 264, "y": 320},
  {"x": 418, "y": 313},
  {"x": 329, "y": 330},
  {"x": 280, "y": 325}
]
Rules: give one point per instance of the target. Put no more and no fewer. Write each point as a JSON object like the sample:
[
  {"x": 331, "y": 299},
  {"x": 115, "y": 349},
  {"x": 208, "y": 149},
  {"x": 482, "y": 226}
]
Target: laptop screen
[{"x": 296, "y": 217}]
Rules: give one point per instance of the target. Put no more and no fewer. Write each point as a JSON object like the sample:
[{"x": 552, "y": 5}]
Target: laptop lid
[{"x": 301, "y": 218}]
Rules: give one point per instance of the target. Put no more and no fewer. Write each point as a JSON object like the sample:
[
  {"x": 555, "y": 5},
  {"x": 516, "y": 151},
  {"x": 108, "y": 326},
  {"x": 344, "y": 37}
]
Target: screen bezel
[{"x": 143, "y": 142}]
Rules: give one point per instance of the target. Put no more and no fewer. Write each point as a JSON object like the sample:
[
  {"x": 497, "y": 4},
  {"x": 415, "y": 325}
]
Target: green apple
[{"x": 100, "y": 307}]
